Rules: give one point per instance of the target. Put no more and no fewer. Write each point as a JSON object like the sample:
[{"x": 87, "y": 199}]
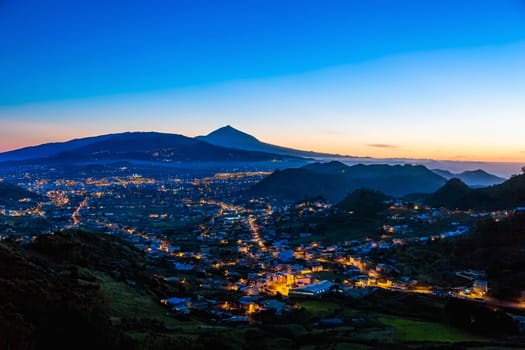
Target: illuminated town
[{"x": 215, "y": 238}]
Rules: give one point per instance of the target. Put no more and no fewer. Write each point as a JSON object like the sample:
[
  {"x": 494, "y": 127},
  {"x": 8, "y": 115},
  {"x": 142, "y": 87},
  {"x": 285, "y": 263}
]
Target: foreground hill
[
  {"x": 473, "y": 178},
  {"x": 334, "y": 180},
  {"x": 138, "y": 146},
  {"x": 49, "y": 298},
  {"x": 456, "y": 194}
]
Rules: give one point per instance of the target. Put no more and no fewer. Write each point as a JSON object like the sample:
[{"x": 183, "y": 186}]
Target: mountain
[
  {"x": 138, "y": 146},
  {"x": 334, "y": 180},
  {"x": 444, "y": 173},
  {"x": 364, "y": 203},
  {"x": 332, "y": 167},
  {"x": 234, "y": 140},
  {"x": 473, "y": 178},
  {"x": 455, "y": 194},
  {"x": 452, "y": 193},
  {"x": 299, "y": 184},
  {"x": 230, "y": 137},
  {"x": 49, "y": 149}
]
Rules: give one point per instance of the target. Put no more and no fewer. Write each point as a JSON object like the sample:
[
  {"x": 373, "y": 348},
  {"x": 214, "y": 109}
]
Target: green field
[
  {"x": 407, "y": 330},
  {"x": 126, "y": 302}
]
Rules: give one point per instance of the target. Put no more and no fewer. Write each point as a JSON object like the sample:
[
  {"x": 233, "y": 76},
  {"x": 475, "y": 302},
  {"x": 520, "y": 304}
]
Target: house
[
  {"x": 249, "y": 303},
  {"x": 276, "y": 305},
  {"x": 177, "y": 304},
  {"x": 312, "y": 290},
  {"x": 183, "y": 267},
  {"x": 480, "y": 287},
  {"x": 285, "y": 255}
]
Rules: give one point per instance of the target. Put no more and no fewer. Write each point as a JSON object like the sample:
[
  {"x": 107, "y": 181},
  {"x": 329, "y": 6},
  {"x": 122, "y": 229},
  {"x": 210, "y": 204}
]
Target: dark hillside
[
  {"x": 44, "y": 305},
  {"x": 508, "y": 195}
]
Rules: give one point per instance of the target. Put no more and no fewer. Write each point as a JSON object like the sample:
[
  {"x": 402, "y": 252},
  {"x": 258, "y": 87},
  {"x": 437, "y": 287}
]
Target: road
[{"x": 76, "y": 214}]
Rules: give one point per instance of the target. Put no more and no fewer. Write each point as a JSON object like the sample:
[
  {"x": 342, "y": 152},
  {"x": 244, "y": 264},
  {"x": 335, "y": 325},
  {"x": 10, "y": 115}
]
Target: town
[{"x": 261, "y": 252}]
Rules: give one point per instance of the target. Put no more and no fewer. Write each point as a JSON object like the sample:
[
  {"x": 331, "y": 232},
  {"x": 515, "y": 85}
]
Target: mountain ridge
[
  {"x": 236, "y": 140},
  {"x": 456, "y": 194},
  {"x": 142, "y": 146},
  {"x": 478, "y": 177},
  {"x": 334, "y": 180}
]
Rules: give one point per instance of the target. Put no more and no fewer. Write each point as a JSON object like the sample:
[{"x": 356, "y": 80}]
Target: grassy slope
[{"x": 407, "y": 330}]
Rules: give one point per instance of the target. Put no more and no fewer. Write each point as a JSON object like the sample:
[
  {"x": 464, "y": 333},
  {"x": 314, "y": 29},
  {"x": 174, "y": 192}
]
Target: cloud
[{"x": 381, "y": 145}]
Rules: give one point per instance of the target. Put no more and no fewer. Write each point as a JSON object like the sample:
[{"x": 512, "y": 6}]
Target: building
[{"x": 314, "y": 290}]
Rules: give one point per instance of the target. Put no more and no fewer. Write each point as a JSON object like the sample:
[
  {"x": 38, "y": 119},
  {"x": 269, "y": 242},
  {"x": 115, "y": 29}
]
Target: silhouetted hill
[
  {"x": 230, "y": 137},
  {"x": 142, "y": 146},
  {"x": 395, "y": 180},
  {"x": 364, "y": 202},
  {"x": 49, "y": 149},
  {"x": 473, "y": 178},
  {"x": 497, "y": 248},
  {"x": 11, "y": 193},
  {"x": 453, "y": 192},
  {"x": 333, "y": 167},
  {"x": 508, "y": 195},
  {"x": 47, "y": 302},
  {"x": 335, "y": 180},
  {"x": 300, "y": 184},
  {"x": 480, "y": 178}
]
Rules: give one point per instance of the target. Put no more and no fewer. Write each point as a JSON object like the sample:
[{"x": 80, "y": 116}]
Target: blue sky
[{"x": 439, "y": 79}]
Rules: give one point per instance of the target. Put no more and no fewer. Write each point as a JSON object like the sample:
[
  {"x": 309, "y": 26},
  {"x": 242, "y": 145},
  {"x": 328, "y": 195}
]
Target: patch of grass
[
  {"x": 416, "y": 331},
  {"x": 318, "y": 309},
  {"x": 127, "y": 302},
  {"x": 280, "y": 343},
  {"x": 149, "y": 341},
  {"x": 374, "y": 335},
  {"x": 321, "y": 308}
]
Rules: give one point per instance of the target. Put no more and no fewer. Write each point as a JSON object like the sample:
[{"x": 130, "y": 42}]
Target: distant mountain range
[
  {"x": 456, "y": 194},
  {"x": 473, "y": 178},
  {"x": 334, "y": 180},
  {"x": 226, "y": 145},
  {"x": 232, "y": 138},
  {"x": 140, "y": 146}
]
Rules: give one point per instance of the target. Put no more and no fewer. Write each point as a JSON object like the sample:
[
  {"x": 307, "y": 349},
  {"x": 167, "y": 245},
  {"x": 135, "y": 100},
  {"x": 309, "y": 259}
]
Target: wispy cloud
[{"x": 381, "y": 145}]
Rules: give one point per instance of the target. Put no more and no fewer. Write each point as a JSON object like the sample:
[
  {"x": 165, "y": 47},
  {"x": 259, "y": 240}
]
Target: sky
[{"x": 383, "y": 78}]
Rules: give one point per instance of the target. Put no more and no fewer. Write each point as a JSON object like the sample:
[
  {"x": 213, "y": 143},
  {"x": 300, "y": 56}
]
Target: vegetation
[
  {"x": 49, "y": 305},
  {"x": 495, "y": 247},
  {"x": 455, "y": 194},
  {"x": 335, "y": 180},
  {"x": 364, "y": 203},
  {"x": 407, "y": 330},
  {"x": 81, "y": 290}
]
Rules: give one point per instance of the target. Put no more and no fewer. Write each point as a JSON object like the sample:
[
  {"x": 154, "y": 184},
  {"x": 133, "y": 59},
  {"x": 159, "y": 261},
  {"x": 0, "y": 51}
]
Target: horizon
[
  {"x": 502, "y": 169},
  {"x": 382, "y": 80}
]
